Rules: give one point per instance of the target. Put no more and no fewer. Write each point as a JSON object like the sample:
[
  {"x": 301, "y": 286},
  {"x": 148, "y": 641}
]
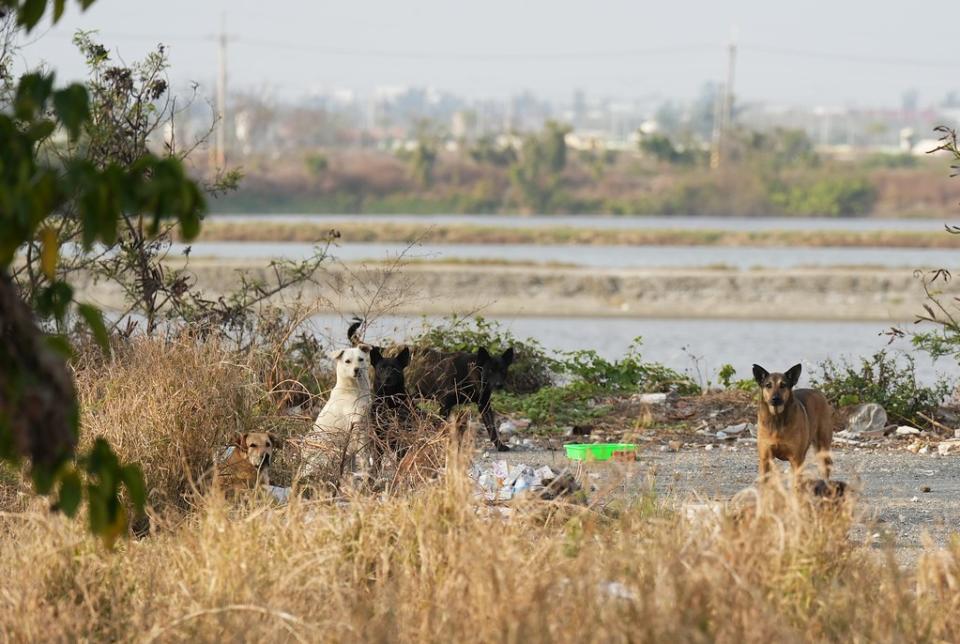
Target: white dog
[{"x": 340, "y": 433}]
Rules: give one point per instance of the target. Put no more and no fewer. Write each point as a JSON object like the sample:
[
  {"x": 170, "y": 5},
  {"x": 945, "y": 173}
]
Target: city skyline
[{"x": 855, "y": 54}]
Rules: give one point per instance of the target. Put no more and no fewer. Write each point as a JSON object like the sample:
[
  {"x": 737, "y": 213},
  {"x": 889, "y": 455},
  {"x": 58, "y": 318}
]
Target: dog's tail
[{"x": 352, "y": 330}]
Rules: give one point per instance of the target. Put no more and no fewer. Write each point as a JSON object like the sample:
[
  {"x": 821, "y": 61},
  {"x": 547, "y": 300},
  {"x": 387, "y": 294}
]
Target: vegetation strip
[{"x": 235, "y": 231}]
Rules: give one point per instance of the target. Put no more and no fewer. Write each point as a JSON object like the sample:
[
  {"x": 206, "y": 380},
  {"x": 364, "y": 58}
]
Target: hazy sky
[{"x": 499, "y": 47}]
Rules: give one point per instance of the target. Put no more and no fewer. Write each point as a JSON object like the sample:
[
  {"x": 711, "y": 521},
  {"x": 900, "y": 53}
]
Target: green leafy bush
[
  {"x": 883, "y": 379},
  {"x": 532, "y": 368},
  {"x": 833, "y": 196},
  {"x": 554, "y": 406},
  {"x": 630, "y": 373}
]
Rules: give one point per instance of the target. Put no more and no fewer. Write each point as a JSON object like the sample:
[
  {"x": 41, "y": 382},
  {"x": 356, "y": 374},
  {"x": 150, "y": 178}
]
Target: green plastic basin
[{"x": 596, "y": 451}]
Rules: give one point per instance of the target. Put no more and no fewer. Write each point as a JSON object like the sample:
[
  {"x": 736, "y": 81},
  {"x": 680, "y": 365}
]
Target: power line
[
  {"x": 850, "y": 58},
  {"x": 533, "y": 56}
]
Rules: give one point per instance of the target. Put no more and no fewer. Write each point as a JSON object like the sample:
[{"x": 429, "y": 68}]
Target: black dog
[
  {"x": 392, "y": 406},
  {"x": 451, "y": 379},
  {"x": 460, "y": 378}
]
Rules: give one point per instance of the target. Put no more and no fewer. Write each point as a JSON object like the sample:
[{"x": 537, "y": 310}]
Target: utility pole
[
  {"x": 721, "y": 131},
  {"x": 221, "y": 154}
]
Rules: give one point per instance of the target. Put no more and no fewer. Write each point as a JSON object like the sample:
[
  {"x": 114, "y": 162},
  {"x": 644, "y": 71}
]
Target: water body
[
  {"x": 698, "y": 347},
  {"x": 678, "y": 222},
  {"x": 740, "y": 257}
]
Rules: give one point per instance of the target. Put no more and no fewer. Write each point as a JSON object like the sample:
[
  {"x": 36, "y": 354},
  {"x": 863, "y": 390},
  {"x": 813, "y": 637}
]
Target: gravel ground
[{"x": 890, "y": 483}]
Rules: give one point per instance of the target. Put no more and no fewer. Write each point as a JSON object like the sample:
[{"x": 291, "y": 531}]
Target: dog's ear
[
  {"x": 793, "y": 375},
  {"x": 275, "y": 440},
  {"x": 403, "y": 358},
  {"x": 375, "y": 356},
  {"x": 507, "y": 357},
  {"x": 483, "y": 356},
  {"x": 352, "y": 331},
  {"x": 240, "y": 440},
  {"x": 336, "y": 354},
  {"x": 760, "y": 374},
  {"x": 366, "y": 348}
]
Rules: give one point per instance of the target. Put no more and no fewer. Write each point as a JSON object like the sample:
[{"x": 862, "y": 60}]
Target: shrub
[
  {"x": 170, "y": 405},
  {"x": 532, "y": 368},
  {"x": 833, "y": 196},
  {"x": 628, "y": 374},
  {"x": 591, "y": 378},
  {"x": 881, "y": 379}
]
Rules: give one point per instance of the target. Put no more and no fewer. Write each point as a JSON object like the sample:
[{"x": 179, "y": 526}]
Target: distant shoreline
[
  {"x": 386, "y": 231},
  {"x": 888, "y": 295}
]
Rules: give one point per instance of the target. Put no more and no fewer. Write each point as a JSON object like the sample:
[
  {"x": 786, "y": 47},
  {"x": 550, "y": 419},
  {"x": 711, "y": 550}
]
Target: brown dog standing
[{"x": 790, "y": 420}]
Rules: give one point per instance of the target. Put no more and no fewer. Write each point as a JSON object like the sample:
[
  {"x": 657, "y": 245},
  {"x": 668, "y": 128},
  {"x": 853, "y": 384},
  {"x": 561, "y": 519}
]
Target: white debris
[
  {"x": 737, "y": 430},
  {"x": 507, "y": 429},
  {"x": 545, "y": 473},
  {"x": 947, "y": 447},
  {"x": 869, "y": 418},
  {"x": 722, "y": 435},
  {"x": 708, "y": 448},
  {"x": 653, "y": 399},
  {"x": 281, "y": 494},
  {"x": 695, "y": 512},
  {"x": 617, "y": 590},
  {"x": 906, "y": 430}
]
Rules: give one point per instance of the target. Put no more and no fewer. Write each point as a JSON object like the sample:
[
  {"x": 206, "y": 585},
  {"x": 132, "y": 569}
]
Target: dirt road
[{"x": 890, "y": 483}]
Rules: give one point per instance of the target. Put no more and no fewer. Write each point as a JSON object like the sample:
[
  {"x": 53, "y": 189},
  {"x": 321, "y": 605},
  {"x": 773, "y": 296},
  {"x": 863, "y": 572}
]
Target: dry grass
[
  {"x": 429, "y": 563},
  {"x": 428, "y": 566},
  {"x": 171, "y": 404}
]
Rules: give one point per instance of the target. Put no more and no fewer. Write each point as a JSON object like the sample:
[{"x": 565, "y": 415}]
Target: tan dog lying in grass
[
  {"x": 248, "y": 466},
  {"x": 790, "y": 421}
]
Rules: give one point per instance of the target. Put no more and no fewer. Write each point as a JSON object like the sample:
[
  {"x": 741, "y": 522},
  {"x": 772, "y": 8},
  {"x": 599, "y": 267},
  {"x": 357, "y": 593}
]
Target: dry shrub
[
  {"x": 433, "y": 566},
  {"x": 171, "y": 404}
]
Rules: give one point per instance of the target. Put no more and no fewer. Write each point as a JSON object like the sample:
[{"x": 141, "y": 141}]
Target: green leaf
[
  {"x": 71, "y": 493},
  {"x": 54, "y": 299},
  {"x": 43, "y": 479},
  {"x": 73, "y": 108},
  {"x": 33, "y": 90},
  {"x": 49, "y": 251},
  {"x": 136, "y": 487},
  {"x": 30, "y": 12},
  {"x": 58, "y": 7},
  {"x": 94, "y": 320},
  {"x": 60, "y": 344}
]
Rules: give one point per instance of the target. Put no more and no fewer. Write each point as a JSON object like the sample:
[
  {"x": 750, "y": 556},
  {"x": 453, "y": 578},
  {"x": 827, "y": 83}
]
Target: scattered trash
[
  {"x": 702, "y": 512},
  {"x": 915, "y": 499},
  {"x": 281, "y": 494},
  {"x": 709, "y": 447},
  {"x": 867, "y": 419},
  {"x": 947, "y": 447},
  {"x": 845, "y": 438},
  {"x": 507, "y": 429},
  {"x": 617, "y": 590},
  {"x": 737, "y": 430},
  {"x": 653, "y": 399},
  {"x": 906, "y": 430},
  {"x": 925, "y": 488},
  {"x": 502, "y": 482}
]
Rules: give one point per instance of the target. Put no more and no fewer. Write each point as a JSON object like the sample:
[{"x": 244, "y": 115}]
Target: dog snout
[
  {"x": 776, "y": 400},
  {"x": 356, "y": 372}
]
